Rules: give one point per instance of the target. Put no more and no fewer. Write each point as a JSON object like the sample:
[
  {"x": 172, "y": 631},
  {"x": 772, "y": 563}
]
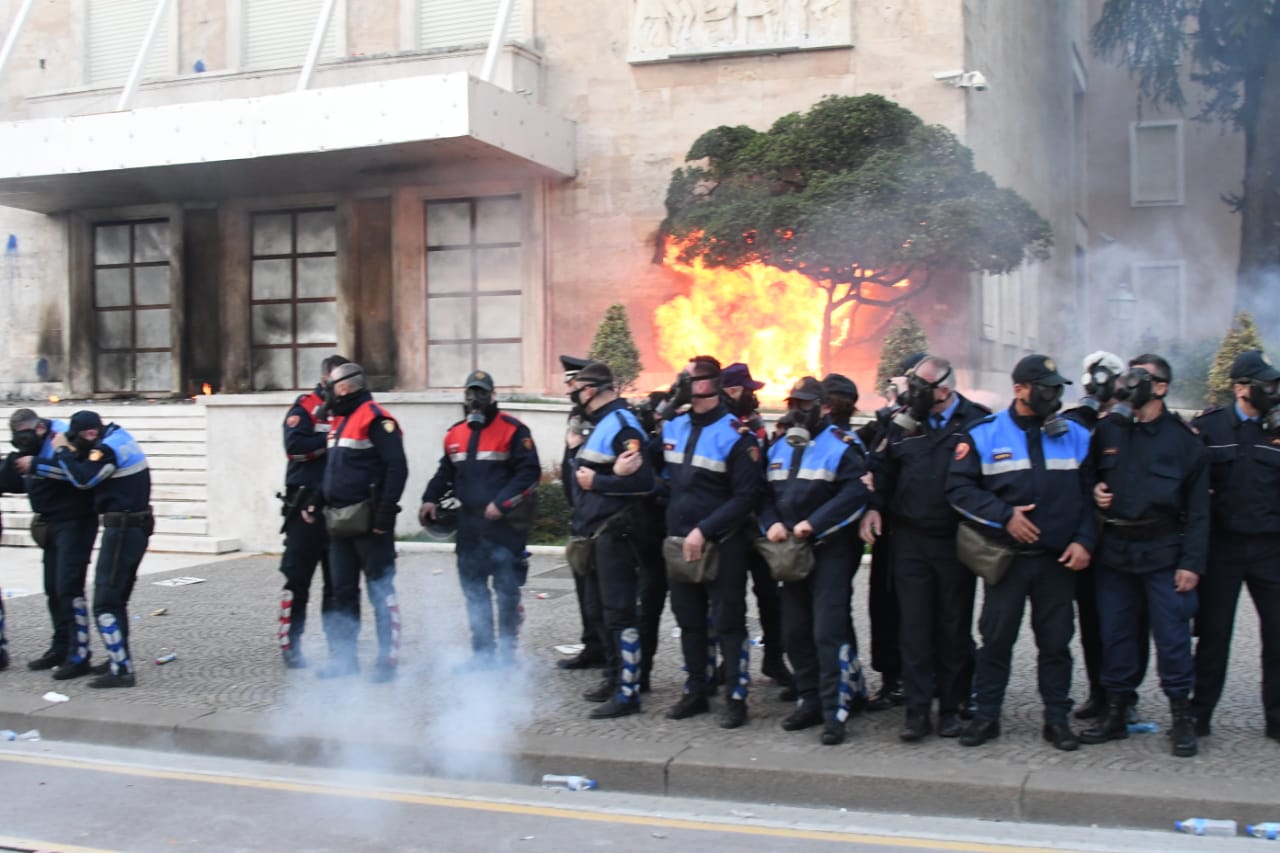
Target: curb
[{"x": 920, "y": 787}]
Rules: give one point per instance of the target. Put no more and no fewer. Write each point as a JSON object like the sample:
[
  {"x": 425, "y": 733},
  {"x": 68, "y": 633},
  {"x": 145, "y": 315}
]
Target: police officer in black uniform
[
  {"x": 608, "y": 510},
  {"x": 711, "y": 462},
  {"x": 1021, "y": 477},
  {"x": 65, "y": 528},
  {"x": 1244, "y": 534},
  {"x": 306, "y": 428},
  {"x": 1153, "y": 493},
  {"x": 815, "y": 494},
  {"x": 934, "y": 590},
  {"x": 576, "y": 431}
]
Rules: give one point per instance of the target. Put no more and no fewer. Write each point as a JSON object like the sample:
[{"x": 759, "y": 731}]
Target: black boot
[
  {"x": 1114, "y": 722},
  {"x": 602, "y": 691},
  {"x": 1093, "y": 707},
  {"x": 1183, "y": 733},
  {"x": 690, "y": 704}
]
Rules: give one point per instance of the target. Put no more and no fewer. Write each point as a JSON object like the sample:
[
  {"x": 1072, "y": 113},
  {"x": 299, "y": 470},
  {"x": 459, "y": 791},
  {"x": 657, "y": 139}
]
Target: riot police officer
[
  {"x": 306, "y": 428},
  {"x": 712, "y": 464},
  {"x": 1021, "y": 478},
  {"x": 607, "y": 511},
  {"x": 1244, "y": 534},
  {"x": 934, "y": 590},
  {"x": 108, "y": 461},
  {"x": 1153, "y": 491},
  {"x": 814, "y": 497}
]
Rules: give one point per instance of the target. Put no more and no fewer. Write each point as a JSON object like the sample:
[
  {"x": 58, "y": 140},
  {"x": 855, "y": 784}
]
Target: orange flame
[
  {"x": 54, "y": 398},
  {"x": 769, "y": 318},
  {"x": 206, "y": 389}
]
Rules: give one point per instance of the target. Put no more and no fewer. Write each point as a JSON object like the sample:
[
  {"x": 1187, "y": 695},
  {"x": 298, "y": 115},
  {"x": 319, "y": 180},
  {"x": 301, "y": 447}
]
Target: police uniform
[
  {"x": 1244, "y": 550},
  {"x": 115, "y": 469},
  {"x": 612, "y": 515},
  {"x": 1157, "y": 523},
  {"x": 820, "y": 483},
  {"x": 712, "y": 467},
  {"x": 935, "y": 592},
  {"x": 365, "y": 461},
  {"x": 305, "y": 428},
  {"x": 69, "y": 528},
  {"x": 1007, "y": 460},
  {"x": 494, "y": 462}
]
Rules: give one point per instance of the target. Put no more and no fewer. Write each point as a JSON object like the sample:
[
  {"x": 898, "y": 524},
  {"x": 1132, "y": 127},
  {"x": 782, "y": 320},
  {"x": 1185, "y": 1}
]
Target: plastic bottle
[
  {"x": 1269, "y": 830},
  {"x": 166, "y": 658},
  {"x": 573, "y": 783},
  {"x": 1143, "y": 727},
  {"x": 1206, "y": 826}
]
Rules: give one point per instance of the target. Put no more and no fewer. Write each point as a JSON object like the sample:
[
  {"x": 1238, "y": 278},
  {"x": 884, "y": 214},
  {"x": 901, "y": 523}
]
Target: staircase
[{"x": 173, "y": 437}]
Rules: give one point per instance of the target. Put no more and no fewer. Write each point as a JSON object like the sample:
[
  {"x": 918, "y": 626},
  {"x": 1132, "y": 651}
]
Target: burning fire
[
  {"x": 769, "y": 318},
  {"x": 206, "y": 389},
  {"x": 54, "y": 398}
]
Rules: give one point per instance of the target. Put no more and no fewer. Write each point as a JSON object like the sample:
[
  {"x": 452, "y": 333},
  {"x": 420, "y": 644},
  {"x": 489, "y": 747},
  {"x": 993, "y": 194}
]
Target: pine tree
[
  {"x": 907, "y": 338},
  {"x": 1242, "y": 338},
  {"x": 614, "y": 346}
]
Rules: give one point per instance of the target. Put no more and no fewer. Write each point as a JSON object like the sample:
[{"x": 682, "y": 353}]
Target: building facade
[{"x": 223, "y": 224}]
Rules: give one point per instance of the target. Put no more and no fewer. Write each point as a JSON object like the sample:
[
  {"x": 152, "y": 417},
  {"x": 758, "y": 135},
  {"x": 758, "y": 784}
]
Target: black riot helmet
[{"x": 445, "y": 524}]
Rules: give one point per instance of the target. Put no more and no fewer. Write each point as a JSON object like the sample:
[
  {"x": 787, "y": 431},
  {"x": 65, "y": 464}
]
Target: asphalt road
[{"x": 73, "y": 797}]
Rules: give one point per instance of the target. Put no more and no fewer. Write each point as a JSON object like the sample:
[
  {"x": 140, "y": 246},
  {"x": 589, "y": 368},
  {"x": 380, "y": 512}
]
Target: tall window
[
  {"x": 131, "y": 306},
  {"x": 114, "y": 30},
  {"x": 277, "y": 33},
  {"x": 1156, "y": 164},
  {"x": 1158, "y": 287},
  {"x": 474, "y": 303},
  {"x": 455, "y": 23},
  {"x": 293, "y": 301}
]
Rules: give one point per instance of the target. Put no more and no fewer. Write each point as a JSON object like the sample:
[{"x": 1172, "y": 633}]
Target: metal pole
[
  {"x": 495, "y": 40},
  {"x": 12, "y": 38},
  {"x": 317, "y": 41},
  {"x": 135, "y": 76}
]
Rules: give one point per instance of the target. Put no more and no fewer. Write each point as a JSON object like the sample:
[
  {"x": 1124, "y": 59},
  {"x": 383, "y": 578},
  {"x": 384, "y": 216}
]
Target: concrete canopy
[{"x": 319, "y": 140}]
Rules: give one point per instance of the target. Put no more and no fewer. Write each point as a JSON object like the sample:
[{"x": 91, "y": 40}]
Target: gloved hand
[{"x": 384, "y": 518}]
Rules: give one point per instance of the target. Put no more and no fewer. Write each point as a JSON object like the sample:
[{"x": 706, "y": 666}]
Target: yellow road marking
[{"x": 556, "y": 812}]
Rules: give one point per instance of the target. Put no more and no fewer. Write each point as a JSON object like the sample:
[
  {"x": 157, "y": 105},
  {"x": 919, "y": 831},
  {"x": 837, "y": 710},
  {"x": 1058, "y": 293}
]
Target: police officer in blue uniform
[
  {"x": 1244, "y": 534},
  {"x": 65, "y": 528},
  {"x": 365, "y": 461},
  {"x": 107, "y": 461},
  {"x": 306, "y": 429},
  {"x": 815, "y": 494},
  {"x": 1021, "y": 476},
  {"x": 712, "y": 465},
  {"x": 1153, "y": 493},
  {"x": 608, "y": 510},
  {"x": 934, "y": 589}
]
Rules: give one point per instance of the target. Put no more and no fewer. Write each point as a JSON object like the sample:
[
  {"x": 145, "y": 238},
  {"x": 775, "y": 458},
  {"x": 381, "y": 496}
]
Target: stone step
[
  {"x": 180, "y": 477},
  {"x": 187, "y": 525},
  {"x": 177, "y": 543},
  {"x": 150, "y": 436},
  {"x": 191, "y": 503}
]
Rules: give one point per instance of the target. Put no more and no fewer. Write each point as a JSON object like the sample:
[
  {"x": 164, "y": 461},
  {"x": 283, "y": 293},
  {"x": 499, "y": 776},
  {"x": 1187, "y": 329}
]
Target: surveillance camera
[
  {"x": 948, "y": 75},
  {"x": 974, "y": 80}
]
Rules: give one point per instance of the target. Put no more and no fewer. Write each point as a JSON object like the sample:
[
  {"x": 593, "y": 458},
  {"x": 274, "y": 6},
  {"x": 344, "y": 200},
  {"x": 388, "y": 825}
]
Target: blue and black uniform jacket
[
  {"x": 711, "y": 463},
  {"x": 49, "y": 489},
  {"x": 1244, "y": 473},
  {"x": 115, "y": 469},
  {"x": 616, "y": 430},
  {"x": 820, "y": 483},
  {"x": 306, "y": 431},
  {"x": 1006, "y": 461}
]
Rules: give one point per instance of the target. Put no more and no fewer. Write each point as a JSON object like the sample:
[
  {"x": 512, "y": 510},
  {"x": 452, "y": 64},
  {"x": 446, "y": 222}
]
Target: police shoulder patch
[
  {"x": 95, "y": 455},
  {"x": 388, "y": 425},
  {"x": 962, "y": 450},
  {"x": 292, "y": 421},
  {"x": 754, "y": 452},
  {"x": 528, "y": 443},
  {"x": 632, "y": 445}
]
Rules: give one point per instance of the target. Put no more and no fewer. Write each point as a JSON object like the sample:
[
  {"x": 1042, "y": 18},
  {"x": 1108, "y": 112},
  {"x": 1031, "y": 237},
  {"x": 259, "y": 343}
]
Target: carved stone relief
[{"x": 675, "y": 29}]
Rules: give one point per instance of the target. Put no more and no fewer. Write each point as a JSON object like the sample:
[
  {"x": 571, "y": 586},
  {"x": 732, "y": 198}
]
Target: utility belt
[
  {"x": 1140, "y": 529},
  {"x": 143, "y": 519}
]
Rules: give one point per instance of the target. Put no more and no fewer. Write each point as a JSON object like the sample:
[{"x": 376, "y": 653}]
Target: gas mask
[
  {"x": 81, "y": 444},
  {"x": 27, "y": 442},
  {"x": 1044, "y": 401},
  {"x": 805, "y": 424},
  {"x": 476, "y": 407},
  {"x": 1100, "y": 383},
  {"x": 1263, "y": 396},
  {"x": 917, "y": 400},
  {"x": 1133, "y": 391},
  {"x": 681, "y": 394}
]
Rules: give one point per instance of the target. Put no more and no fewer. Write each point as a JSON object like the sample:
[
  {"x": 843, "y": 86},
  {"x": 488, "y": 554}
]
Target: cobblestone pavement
[{"x": 223, "y": 632}]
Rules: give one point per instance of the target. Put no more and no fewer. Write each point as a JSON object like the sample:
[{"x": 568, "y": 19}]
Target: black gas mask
[
  {"x": 804, "y": 424},
  {"x": 478, "y": 407},
  {"x": 1263, "y": 396},
  {"x": 917, "y": 400},
  {"x": 1134, "y": 389},
  {"x": 81, "y": 444},
  {"x": 1045, "y": 400},
  {"x": 27, "y": 442},
  {"x": 1100, "y": 383},
  {"x": 680, "y": 395}
]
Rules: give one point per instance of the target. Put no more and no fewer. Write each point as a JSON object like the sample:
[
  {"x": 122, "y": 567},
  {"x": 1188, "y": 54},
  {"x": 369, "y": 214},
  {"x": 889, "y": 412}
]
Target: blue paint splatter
[
  {"x": 199, "y": 66},
  {"x": 11, "y": 245}
]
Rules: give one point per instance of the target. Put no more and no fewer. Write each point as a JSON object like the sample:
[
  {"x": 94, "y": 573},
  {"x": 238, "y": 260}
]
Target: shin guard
[{"x": 114, "y": 642}]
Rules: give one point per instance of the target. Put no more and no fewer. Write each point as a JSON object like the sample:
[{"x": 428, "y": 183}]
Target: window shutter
[
  {"x": 454, "y": 23},
  {"x": 277, "y": 33},
  {"x": 114, "y": 33},
  {"x": 1156, "y": 163}
]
